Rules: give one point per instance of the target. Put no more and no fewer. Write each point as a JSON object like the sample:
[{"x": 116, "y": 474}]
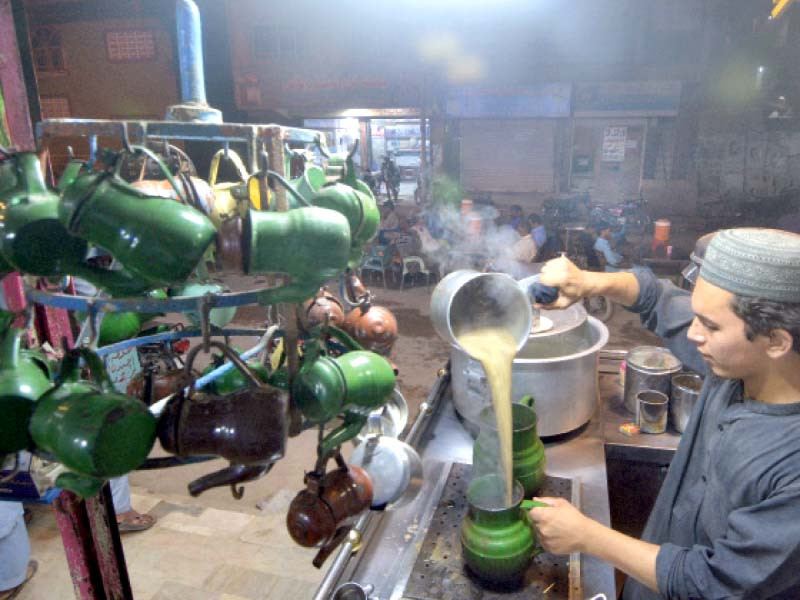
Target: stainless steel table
[{"x": 390, "y": 541}]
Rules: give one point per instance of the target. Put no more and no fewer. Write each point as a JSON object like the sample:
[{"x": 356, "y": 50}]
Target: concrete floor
[{"x": 216, "y": 547}]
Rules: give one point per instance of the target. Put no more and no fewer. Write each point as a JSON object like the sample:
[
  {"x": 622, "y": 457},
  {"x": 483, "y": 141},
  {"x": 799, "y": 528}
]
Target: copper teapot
[
  {"x": 321, "y": 515},
  {"x": 372, "y": 326},
  {"x": 323, "y": 307}
]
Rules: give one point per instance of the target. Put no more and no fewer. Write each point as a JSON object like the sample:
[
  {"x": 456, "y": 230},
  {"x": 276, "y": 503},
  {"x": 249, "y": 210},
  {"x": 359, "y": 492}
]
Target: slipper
[
  {"x": 33, "y": 566},
  {"x": 134, "y": 522}
]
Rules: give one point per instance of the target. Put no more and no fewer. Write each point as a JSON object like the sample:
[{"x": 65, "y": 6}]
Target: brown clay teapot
[
  {"x": 322, "y": 305},
  {"x": 329, "y": 503},
  {"x": 374, "y": 327},
  {"x": 151, "y": 384},
  {"x": 248, "y": 427}
]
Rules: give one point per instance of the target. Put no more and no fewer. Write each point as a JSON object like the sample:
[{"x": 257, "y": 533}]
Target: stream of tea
[{"x": 495, "y": 348}]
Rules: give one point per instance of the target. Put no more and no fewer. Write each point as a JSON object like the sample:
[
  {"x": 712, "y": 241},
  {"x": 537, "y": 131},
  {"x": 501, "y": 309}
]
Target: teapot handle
[
  {"x": 70, "y": 366},
  {"x": 527, "y": 401},
  {"x": 234, "y": 158},
  {"x": 526, "y": 505},
  {"x": 152, "y": 155},
  {"x": 251, "y": 377}
]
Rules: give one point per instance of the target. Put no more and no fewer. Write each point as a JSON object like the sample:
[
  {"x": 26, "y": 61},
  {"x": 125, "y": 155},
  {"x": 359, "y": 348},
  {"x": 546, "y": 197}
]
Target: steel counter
[{"x": 390, "y": 542}]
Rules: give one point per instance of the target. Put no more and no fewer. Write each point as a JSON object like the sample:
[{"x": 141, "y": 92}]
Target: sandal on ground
[
  {"x": 134, "y": 521},
  {"x": 33, "y": 566}
]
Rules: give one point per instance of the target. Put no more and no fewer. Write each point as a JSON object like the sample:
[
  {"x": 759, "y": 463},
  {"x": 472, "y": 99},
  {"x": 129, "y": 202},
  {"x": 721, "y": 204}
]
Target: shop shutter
[{"x": 514, "y": 155}]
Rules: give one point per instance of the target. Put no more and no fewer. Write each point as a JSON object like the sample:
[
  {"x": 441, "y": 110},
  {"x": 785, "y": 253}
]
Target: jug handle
[
  {"x": 71, "y": 363},
  {"x": 292, "y": 192},
  {"x": 525, "y": 506},
  {"x": 152, "y": 155},
  {"x": 230, "y": 355},
  {"x": 234, "y": 158},
  {"x": 527, "y": 401},
  {"x": 9, "y": 351}
]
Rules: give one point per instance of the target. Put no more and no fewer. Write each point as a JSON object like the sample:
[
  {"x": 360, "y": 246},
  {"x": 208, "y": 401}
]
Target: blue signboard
[
  {"x": 627, "y": 98},
  {"x": 549, "y": 100}
]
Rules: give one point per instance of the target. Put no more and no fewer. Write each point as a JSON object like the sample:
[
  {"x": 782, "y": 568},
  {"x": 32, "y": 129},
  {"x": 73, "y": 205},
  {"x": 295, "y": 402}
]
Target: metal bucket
[
  {"x": 559, "y": 371},
  {"x": 685, "y": 391},
  {"x": 648, "y": 368},
  {"x": 466, "y": 300}
]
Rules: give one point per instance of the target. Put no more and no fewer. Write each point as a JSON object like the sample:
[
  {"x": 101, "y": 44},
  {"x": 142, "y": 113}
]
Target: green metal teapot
[
  {"x": 355, "y": 384},
  {"x": 34, "y": 241},
  {"x": 310, "y": 244},
  {"x": 92, "y": 430},
  {"x": 22, "y": 382},
  {"x": 155, "y": 238},
  {"x": 528, "y": 450},
  {"x": 498, "y": 542},
  {"x": 361, "y": 212}
]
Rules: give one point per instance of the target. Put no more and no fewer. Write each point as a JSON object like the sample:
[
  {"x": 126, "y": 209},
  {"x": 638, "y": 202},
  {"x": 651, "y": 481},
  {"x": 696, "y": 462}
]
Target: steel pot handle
[{"x": 251, "y": 377}]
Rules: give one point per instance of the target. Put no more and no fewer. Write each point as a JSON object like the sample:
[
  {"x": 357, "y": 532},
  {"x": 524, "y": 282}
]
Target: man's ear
[{"x": 780, "y": 343}]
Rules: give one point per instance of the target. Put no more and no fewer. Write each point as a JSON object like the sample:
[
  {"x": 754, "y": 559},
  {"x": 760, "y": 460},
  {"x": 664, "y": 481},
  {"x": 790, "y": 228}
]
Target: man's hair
[
  {"x": 516, "y": 207},
  {"x": 534, "y": 219},
  {"x": 763, "y": 316}
]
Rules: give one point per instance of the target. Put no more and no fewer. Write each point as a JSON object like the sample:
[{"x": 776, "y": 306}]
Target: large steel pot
[
  {"x": 559, "y": 371},
  {"x": 648, "y": 368}
]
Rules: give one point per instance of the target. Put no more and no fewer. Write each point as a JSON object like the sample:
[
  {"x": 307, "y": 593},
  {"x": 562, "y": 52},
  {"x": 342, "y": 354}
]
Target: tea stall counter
[{"x": 391, "y": 541}]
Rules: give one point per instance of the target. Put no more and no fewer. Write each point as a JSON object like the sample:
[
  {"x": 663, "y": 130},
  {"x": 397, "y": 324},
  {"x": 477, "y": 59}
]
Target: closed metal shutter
[{"x": 514, "y": 155}]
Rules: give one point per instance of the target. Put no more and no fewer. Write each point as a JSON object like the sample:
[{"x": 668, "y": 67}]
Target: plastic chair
[
  {"x": 376, "y": 261},
  {"x": 405, "y": 246}
]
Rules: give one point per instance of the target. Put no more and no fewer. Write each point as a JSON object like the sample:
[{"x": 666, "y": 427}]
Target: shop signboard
[
  {"x": 627, "y": 98},
  {"x": 614, "y": 144},
  {"x": 549, "y": 100}
]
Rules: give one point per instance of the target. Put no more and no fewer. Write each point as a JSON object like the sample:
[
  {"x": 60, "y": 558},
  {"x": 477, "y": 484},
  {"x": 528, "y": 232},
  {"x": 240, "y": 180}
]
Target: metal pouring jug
[
  {"x": 92, "y": 430},
  {"x": 248, "y": 427},
  {"x": 528, "y": 449},
  {"x": 497, "y": 541},
  {"x": 466, "y": 300},
  {"x": 22, "y": 382}
]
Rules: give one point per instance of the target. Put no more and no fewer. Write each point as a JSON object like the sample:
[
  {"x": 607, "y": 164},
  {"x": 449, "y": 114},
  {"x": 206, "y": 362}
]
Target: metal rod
[{"x": 190, "y": 52}]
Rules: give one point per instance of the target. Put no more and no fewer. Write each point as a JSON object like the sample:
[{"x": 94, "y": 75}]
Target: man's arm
[
  {"x": 575, "y": 284},
  {"x": 562, "y": 529}
]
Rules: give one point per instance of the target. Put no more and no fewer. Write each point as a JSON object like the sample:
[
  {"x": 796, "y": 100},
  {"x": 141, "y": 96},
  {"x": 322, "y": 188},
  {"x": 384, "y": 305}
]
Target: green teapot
[
  {"x": 92, "y": 430},
  {"x": 361, "y": 212},
  {"x": 310, "y": 244},
  {"x": 307, "y": 185},
  {"x": 498, "y": 542},
  {"x": 528, "y": 450},
  {"x": 34, "y": 241},
  {"x": 157, "y": 239},
  {"x": 22, "y": 382}
]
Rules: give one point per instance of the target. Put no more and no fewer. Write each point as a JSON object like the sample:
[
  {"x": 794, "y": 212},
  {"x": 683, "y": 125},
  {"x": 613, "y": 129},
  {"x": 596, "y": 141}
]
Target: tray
[{"x": 440, "y": 574}]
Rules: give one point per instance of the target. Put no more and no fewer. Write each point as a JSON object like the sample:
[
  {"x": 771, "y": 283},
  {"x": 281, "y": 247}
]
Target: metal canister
[
  {"x": 685, "y": 391},
  {"x": 648, "y": 368}
]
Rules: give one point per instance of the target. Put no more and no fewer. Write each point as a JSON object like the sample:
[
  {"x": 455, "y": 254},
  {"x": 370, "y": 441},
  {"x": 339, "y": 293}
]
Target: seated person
[
  {"x": 516, "y": 217},
  {"x": 525, "y": 249},
  {"x": 390, "y": 223},
  {"x": 610, "y": 259}
]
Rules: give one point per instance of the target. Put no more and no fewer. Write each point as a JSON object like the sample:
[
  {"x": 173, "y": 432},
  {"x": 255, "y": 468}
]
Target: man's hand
[
  {"x": 561, "y": 526},
  {"x": 568, "y": 278},
  {"x": 563, "y": 529}
]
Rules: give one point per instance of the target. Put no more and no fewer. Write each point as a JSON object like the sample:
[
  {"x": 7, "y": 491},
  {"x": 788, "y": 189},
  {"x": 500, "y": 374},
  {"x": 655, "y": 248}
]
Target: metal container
[
  {"x": 465, "y": 300},
  {"x": 685, "y": 391},
  {"x": 559, "y": 371},
  {"x": 648, "y": 368}
]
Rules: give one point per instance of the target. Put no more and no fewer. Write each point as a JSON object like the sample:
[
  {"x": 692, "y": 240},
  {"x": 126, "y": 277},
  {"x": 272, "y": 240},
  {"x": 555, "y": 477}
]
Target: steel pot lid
[
  {"x": 653, "y": 359},
  {"x": 394, "y": 468}
]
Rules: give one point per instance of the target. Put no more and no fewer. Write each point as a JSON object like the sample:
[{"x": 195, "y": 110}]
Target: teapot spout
[{"x": 236, "y": 473}]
